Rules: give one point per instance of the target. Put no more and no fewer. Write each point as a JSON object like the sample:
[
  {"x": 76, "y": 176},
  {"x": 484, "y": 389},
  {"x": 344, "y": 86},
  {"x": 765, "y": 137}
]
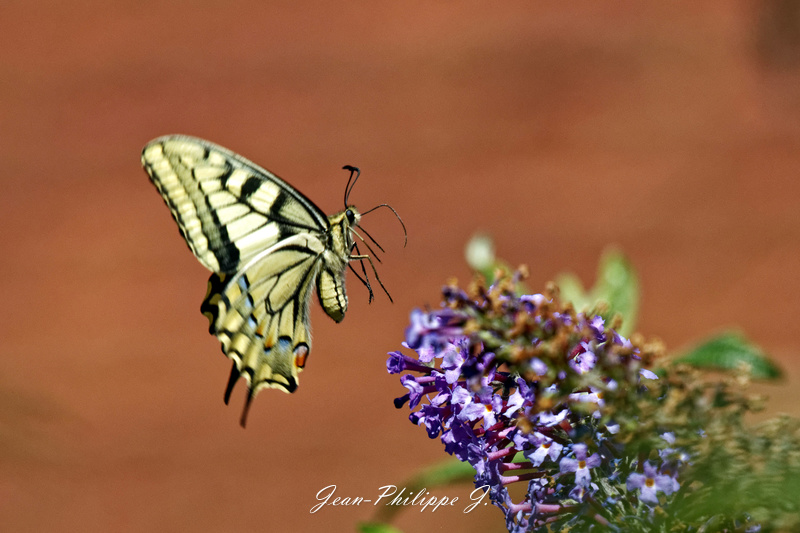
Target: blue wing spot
[{"x": 285, "y": 343}]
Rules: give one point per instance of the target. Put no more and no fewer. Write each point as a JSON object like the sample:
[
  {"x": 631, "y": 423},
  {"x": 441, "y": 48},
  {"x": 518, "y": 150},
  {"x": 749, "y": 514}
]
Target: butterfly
[{"x": 267, "y": 246}]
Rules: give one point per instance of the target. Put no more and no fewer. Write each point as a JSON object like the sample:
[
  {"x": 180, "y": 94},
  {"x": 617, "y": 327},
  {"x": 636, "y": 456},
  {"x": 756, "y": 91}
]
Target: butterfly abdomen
[{"x": 331, "y": 293}]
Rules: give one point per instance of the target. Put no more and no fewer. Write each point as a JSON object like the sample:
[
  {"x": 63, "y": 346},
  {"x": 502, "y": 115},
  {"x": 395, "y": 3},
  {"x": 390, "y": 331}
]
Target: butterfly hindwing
[{"x": 260, "y": 315}]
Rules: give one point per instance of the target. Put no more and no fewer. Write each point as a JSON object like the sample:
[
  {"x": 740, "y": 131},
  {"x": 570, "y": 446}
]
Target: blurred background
[{"x": 669, "y": 129}]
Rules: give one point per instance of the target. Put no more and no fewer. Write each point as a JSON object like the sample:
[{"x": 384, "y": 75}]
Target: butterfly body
[{"x": 267, "y": 246}]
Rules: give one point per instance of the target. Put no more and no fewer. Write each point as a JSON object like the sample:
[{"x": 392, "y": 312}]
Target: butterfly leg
[
  {"x": 363, "y": 280},
  {"x": 374, "y": 270}
]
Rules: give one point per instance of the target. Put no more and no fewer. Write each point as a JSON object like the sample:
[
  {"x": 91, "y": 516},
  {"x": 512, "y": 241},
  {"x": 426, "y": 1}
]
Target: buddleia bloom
[{"x": 527, "y": 390}]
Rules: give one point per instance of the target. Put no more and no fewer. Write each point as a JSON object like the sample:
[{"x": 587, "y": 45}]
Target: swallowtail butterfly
[{"x": 267, "y": 246}]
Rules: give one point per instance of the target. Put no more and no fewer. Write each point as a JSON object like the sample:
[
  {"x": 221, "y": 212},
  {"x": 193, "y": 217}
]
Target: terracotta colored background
[{"x": 669, "y": 129}]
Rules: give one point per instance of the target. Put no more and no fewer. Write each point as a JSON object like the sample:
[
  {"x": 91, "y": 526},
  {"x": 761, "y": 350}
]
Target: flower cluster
[{"x": 527, "y": 390}]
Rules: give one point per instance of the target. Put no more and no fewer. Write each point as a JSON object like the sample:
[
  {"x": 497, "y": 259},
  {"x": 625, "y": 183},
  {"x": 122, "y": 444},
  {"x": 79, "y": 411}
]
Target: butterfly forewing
[
  {"x": 266, "y": 243},
  {"x": 227, "y": 208}
]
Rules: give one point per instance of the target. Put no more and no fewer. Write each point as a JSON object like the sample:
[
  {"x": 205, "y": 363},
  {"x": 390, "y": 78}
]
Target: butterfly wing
[
  {"x": 228, "y": 209},
  {"x": 260, "y": 315},
  {"x": 265, "y": 243}
]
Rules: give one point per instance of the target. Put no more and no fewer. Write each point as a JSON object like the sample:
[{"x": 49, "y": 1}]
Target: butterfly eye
[{"x": 351, "y": 217}]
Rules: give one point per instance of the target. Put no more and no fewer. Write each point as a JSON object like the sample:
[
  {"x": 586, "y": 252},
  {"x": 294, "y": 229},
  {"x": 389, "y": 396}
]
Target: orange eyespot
[{"x": 300, "y": 355}]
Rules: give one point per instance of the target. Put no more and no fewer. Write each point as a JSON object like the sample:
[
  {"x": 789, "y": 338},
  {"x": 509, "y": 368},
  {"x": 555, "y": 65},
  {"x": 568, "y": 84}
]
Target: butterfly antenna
[
  {"x": 351, "y": 182},
  {"x": 231, "y": 382},
  {"x": 405, "y": 233}
]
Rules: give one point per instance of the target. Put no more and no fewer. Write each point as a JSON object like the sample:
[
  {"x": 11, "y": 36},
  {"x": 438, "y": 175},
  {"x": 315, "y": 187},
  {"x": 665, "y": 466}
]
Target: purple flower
[
  {"x": 548, "y": 419},
  {"x": 580, "y": 464},
  {"x": 415, "y": 390},
  {"x": 547, "y": 448},
  {"x": 429, "y": 332},
  {"x": 651, "y": 483},
  {"x": 584, "y": 359},
  {"x": 596, "y": 324},
  {"x": 431, "y": 418},
  {"x": 399, "y": 362},
  {"x": 649, "y": 374},
  {"x": 515, "y": 403},
  {"x": 499, "y": 378},
  {"x": 538, "y": 366},
  {"x": 533, "y": 300},
  {"x": 451, "y": 364}
]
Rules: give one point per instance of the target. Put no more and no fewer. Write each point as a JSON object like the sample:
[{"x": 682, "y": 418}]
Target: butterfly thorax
[{"x": 340, "y": 238}]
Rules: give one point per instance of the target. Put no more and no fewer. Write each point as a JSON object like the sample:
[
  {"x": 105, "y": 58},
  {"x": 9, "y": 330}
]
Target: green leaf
[
  {"x": 616, "y": 290},
  {"x": 572, "y": 290},
  {"x": 727, "y": 351},
  {"x": 377, "y": 527},
  {"x": 480, "y": 255},
  {"x": 444, "y": 473}
]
